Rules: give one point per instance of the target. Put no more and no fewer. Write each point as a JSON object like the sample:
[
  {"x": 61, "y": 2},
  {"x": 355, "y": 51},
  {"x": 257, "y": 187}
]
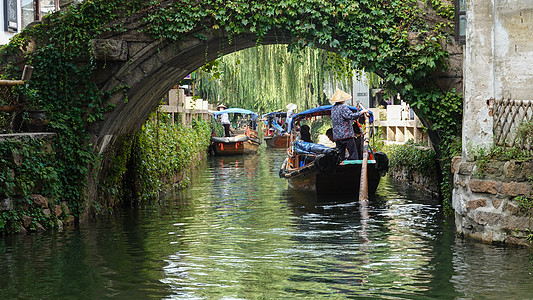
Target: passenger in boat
[
  {"x": 305, "y": 134},
  {"x": 291, "y": 107},
  {"x": 342, "y": 118},
  {"x": 329, "y": 134},
  {"x": 224, "y": 119}
]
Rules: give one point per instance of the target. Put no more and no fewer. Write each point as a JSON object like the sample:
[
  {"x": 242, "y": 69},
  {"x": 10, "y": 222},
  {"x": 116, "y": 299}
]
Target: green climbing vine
[
  {"x": 376, "y": 36},
  {"x": 163, "y": 150}
]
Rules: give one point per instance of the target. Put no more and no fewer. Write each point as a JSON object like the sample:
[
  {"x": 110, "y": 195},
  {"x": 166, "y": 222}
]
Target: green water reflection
[{"x": 239, "y": 233}]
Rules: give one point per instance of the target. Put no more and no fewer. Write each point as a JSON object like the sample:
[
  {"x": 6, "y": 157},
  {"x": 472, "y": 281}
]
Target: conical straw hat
[
  {"x": 292, "y": 106},
  {"x": 340, "y": 96}
]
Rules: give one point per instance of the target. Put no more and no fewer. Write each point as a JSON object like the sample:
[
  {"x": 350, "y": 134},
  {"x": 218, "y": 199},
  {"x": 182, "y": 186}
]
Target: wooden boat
[
  {"x": 275, "y": 135},
  {"x": 243, "y": 141},
  {"x": 317, "y": 168},
  {"x": 277, "y": 141}
]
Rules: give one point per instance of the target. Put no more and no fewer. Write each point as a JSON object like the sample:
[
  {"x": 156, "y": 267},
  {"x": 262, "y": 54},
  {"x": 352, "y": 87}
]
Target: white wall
[
  {"x": 358, "y": 89},
  {"x": 4, "y": 35},
  {"x": 497, "y": 64}
]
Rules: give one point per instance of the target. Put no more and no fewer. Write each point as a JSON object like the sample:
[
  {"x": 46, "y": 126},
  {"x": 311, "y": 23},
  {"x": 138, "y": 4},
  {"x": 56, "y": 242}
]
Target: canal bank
[
  {"x": 238, "y": 232},
  {"x": 35, "y": 198}
]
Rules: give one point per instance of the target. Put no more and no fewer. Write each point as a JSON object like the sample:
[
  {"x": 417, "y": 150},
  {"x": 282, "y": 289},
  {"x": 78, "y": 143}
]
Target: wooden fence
[
  {"x": 187, "y": 108},
  {"x": 509, "y": 116}
]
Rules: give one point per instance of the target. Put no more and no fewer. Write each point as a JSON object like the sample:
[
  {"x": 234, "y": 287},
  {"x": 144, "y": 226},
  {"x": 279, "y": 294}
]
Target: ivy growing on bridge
[{"x": 395, "y": 39}]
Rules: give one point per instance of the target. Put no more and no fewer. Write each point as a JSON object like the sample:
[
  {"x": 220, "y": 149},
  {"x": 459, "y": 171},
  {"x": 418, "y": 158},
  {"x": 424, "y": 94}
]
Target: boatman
[
  {"x": 224, "y": 119},
  {"x": 342, "y": 118}
]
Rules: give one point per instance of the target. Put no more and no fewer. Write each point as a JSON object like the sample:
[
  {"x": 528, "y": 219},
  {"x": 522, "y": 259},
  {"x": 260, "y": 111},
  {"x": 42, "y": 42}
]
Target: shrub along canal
[{"x": 238, "y": 233}]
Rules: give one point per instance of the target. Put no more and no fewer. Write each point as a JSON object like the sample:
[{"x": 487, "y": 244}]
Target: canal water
[{"x": 238, "y": 233}]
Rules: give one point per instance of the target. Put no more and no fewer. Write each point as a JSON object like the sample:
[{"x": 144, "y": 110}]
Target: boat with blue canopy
[
  {"x": 275, "y": 135},
  {"x": 243, "y": 138},
  {"x": 321, "y": 169}
]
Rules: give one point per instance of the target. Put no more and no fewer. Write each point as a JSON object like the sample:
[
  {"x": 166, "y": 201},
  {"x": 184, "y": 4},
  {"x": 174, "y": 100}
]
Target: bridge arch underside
[
  {"x": 151, "y": 70},
  {"x": 142, "y": 70}
]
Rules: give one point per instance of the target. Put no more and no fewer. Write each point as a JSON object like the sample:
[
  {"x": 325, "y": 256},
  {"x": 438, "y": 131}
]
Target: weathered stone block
[
  {"x": 39, "y": 200},
  {"x": 70, "y": 220},
  {"x": 512, "y": 208},
  {"x": 109, "y": 50},
  {"x": 475, "y": 204},
  {"x": 495, "y": 169},
  {"x": 527, "y": 170},
  {"x": 497, "y": 202},
  {"x": 487, "y": 218},
  {"x": 485, "y": 186},
  {"x": 456, "y": 160},
  {"x": 47, "y": 212},
  {"x": 58, "y": 210},
  {"x": 516, "y": 188},
  {"x": 511, "y": 240},
  {"x": 59, "y": 224},
  {"x": 17, "y": 157},
  {"x": 6, "y": 204},
  {"x": 26, "y": 221},
  {"x": 516, "y": 222},
  {"x": 466, "y": 168},
  {"x": 39, "y": 227},
  {"x": 513, "y": 170},
  {"x": 66, "y": 210},
  {"x": 22, "y": 229}
]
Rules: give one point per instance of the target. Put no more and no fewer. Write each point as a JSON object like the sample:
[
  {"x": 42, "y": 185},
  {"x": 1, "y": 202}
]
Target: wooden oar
[{"x": 363, "y": 186}]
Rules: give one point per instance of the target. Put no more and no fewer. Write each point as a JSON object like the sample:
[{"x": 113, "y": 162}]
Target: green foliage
[
  {"x": 373, "y": 35},
  {"x": 524, "y": 203},
  {"x": 271, "y": 78},
  {"x": 451, "y": 147},
  {"x": 65, "y": 88},
  {"x": 28, "y": 166},
  {"x": 483, "y": 156},
  {"x": 163, "y": 150},
  {"x": 529, "y": 236},
  {"x": 524, "y": 133},
  {"x": 411, "y": 158}
]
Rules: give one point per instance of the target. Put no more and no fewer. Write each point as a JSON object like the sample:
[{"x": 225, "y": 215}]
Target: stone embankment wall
[
  {"x": 486, "y": 202},
  {"x": 428, "y": 184},
  {"x": 27, "y": 174}
]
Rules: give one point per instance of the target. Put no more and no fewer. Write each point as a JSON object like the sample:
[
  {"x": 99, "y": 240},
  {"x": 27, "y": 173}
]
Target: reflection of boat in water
[
  {"x": 244, "y": 139},
  {"x": 317, "y": 168},
  {"x": 275, "y": 135}
]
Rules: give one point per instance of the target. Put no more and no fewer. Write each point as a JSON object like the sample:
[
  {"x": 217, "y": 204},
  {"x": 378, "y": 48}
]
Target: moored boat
[
  {"x": 275, "y": 135},
  {"x": 318, "y": 168},
  {"x": 244, "y": 139}
]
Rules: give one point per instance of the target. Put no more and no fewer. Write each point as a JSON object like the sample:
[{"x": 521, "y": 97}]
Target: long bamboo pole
[{"x": 363, "y": 186}]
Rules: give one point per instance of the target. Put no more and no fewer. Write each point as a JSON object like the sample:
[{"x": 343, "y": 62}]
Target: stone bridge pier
[{"x": 497, "y": 56}]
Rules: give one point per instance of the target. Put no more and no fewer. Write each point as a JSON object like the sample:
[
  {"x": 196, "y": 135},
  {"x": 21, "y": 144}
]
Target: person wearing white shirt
[{"x": 224, "y": 119}]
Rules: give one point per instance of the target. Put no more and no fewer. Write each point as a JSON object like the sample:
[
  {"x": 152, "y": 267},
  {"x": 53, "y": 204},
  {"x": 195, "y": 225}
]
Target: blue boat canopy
[
  {"x": 275, "y": 114},
  {"x": 236, "y": 111},
  {"x": 320, "y": 111}
]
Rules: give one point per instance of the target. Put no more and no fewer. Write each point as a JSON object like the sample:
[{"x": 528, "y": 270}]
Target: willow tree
[{"x": 267, "y": 78}]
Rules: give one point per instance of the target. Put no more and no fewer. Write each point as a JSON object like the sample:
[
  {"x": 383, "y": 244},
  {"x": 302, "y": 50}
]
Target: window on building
[
  {"x": 460, "y": 21},
  {"x": 35, "y": 10}
]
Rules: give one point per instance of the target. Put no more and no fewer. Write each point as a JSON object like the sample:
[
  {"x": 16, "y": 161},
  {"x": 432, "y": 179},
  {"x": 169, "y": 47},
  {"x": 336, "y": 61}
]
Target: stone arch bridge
[{"x": 148, "y": 67}]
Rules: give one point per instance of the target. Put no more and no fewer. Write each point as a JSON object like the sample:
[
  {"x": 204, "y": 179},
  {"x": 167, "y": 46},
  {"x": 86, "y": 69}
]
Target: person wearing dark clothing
[
  {"x": 305, "y": 134},
  {"x": 342, "y": 118},
  {"x": 358, "y": 133}
]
